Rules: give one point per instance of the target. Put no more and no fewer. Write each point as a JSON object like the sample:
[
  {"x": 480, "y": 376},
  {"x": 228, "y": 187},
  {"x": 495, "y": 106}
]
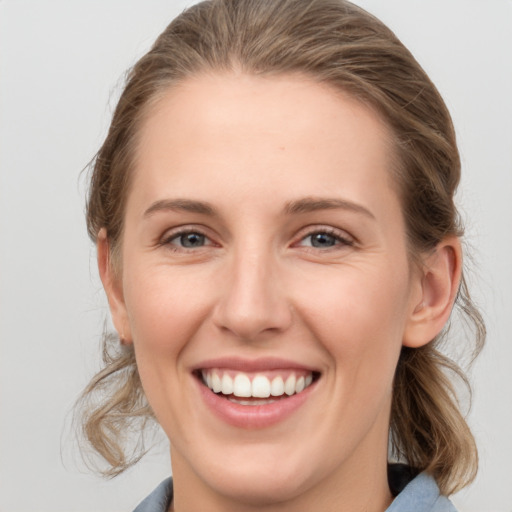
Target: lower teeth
[{"x": 251, "y": 402}]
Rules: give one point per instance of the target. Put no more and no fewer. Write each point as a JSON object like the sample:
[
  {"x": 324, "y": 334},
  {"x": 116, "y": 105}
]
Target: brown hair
[{"x": 339, "y": 44}]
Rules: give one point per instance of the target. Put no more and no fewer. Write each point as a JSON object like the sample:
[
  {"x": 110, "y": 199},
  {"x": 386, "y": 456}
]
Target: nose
[{"x": 253, "y": 301}]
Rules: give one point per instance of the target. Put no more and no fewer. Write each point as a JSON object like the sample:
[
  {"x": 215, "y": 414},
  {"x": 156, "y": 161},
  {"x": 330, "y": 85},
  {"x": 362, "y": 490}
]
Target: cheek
[
  {"x": 165, "y": 314},
  {"x": 164, "y": 307},
  {"x": 360, "y": 318}
]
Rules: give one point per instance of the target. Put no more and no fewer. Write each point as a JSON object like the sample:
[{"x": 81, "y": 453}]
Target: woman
[{"x": 276, "y": 235}]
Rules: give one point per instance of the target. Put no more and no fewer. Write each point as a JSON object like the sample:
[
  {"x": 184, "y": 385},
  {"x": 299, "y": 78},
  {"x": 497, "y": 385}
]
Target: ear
[
  {"x": 113, "y": 288},
  {"x": 436, "y": 290}
]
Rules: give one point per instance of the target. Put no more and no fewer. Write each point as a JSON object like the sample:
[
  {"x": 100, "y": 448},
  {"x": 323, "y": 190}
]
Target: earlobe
[
  {"x": 113, "y": 288},
  {"x": 438, "y": 287}
]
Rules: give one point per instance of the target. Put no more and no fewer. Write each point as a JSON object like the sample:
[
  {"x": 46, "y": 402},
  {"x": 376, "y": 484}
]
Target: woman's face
[{"x": 265, "y": 284}]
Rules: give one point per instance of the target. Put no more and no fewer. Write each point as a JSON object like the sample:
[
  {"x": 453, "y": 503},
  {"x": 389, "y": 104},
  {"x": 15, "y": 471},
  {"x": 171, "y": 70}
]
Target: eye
[
  {"x": 191, "y": 240},
  {"x": 187, "y": 240},
  {"x": 321, "y": 240},
  {"x": 325, "y": 239}
]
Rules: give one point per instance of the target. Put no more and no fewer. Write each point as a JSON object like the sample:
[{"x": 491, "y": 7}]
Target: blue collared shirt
[{"x": 419, "y": 495}]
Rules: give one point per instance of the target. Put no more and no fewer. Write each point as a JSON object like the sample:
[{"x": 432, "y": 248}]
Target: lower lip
[{"x": 253, "y": 416}]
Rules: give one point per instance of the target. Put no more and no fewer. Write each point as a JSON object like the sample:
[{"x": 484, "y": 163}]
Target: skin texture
[{"x": 259, "y": 155}]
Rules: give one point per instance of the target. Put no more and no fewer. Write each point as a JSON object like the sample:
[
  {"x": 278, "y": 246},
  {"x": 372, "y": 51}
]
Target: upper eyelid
[
  {"x": 175, "y": 232},
  {"x": 185, "y": 228},
  {"x": 331, "y": 230}
]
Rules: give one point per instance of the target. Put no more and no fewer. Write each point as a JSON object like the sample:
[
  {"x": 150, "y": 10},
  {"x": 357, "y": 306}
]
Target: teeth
[
  {"x": 289, "y": 385},
  {"x": 277, "y": 386},
  {"x": 250, "y": 402},
  {"x": 299, "y": 386},
  {"x": 242, "y": 386},
  {"x": 216, "y": 383},
  {"x": 227, "y": 384},
  {"x": 260, "y": 386}
]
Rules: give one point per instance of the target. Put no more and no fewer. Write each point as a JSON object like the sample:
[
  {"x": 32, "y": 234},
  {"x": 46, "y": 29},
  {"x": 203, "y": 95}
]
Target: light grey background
[{"x": 61, "y": 63}]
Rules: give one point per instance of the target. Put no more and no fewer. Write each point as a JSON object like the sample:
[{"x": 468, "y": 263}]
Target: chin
[
  {"x": 260, "y": 486},
  {"x": 259, "y": 474}
]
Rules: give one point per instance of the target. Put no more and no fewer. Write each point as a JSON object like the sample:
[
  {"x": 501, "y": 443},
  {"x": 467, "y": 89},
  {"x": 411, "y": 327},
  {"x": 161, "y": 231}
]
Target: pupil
[
  {"x": 192, "y": 240},
  {"x": 322, "y": 240}
]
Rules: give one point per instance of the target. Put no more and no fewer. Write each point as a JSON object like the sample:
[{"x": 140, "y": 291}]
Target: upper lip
[{"x": 252, "y": 365}]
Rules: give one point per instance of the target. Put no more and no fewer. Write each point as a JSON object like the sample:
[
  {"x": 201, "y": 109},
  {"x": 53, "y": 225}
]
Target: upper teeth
[{"x": 258, "y": 385}]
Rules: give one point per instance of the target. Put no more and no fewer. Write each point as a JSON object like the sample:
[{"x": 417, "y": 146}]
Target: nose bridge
[{"x": 252, "y": 301}]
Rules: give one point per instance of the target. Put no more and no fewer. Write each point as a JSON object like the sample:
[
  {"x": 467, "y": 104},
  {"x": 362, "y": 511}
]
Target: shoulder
[
  {"x": 421, "y": 495},
  {"x": 159, "y": 500}
]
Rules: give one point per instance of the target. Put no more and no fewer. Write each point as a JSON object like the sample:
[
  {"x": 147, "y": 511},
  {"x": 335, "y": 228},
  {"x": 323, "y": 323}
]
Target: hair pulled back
[{"x": 336, "y": 43}]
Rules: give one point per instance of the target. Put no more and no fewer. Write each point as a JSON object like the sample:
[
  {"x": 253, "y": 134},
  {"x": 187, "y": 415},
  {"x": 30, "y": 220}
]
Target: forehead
[{"x": 289, "y": 131}]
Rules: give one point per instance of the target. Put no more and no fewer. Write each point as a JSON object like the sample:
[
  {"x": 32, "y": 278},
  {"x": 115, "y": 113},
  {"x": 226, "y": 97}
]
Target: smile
[
  {"x": 259, "y": 386},
  {"x": 255, "y": 394}
]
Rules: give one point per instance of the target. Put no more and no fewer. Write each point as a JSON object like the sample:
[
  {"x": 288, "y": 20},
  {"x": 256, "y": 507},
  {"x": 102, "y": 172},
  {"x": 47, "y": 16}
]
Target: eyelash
[
  {"x": 339, "y": 239},
  {"x": 168, "y": 239}
]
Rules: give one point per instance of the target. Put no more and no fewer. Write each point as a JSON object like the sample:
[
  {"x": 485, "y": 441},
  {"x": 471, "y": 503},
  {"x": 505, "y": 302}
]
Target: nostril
[{"x": 250, "y": 321}]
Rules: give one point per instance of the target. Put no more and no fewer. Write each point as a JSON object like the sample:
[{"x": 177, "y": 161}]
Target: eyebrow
[
  {"x": 304, "y": 205},
  {"x": 312, "y": 204},
  {"x": 186, "y": 205}
]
